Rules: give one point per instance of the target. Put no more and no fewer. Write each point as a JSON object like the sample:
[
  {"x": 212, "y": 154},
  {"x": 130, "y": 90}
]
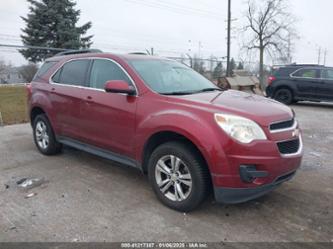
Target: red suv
[{"x": 170, "y": 122}]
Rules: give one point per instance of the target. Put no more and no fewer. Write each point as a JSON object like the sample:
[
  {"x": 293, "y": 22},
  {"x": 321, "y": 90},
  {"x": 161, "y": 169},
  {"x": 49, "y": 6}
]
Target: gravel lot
[{"x": 86, "y": 198}]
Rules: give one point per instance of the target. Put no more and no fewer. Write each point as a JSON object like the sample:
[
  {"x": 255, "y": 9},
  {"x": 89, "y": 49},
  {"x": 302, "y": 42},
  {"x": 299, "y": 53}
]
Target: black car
[{"x": 293, "y": 83}]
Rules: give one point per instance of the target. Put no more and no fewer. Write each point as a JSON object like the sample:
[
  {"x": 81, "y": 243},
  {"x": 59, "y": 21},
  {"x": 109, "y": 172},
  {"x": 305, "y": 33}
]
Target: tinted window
[
  {"x": 73, "y": 73},
  {"x": 105, "y": 70},
  {"x": 327, "y": 74},
  {"x": 56, "y": 77},
  {"x": 283, "y": 71},
  {"x": 306, "y": 73},
  {"x": 44, "y": 69}
]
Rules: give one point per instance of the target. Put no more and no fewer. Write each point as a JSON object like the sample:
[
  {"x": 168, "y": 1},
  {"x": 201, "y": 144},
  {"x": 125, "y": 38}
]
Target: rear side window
[
  {"x": 73, "y": 73},
  {"x": 105, "y": 70},
  {"x": 283, "y": 71},
  {"x": 307, "y": 73},
  {"x": 327, "y": 74},
  {"x": 44, "y": 69}
]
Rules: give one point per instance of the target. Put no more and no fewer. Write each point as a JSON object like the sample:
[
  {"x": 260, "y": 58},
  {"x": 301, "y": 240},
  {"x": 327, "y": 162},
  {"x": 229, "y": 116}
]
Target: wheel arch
[
  {"x": 35, "y": 111},
  {"x": 165, "y": 136}
]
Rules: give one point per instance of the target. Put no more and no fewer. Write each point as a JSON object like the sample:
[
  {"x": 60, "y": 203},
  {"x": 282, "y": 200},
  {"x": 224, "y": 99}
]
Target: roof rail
[
  {"x": 82, "y": 51},
  {"x": 139, "y": 53},
  {"x": 299, "y": 65},
  {"x": 306, "y": 65}
]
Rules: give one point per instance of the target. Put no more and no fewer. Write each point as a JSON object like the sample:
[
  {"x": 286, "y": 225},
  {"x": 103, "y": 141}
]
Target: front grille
[
  {"x": 289, "y": 147},
  {"x": 282, "y": 125}
]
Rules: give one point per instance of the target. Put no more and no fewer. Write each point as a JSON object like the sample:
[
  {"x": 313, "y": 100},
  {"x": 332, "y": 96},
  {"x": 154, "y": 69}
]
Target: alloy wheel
[
  {"x": 42, "y": 136},
  {"x": 173, "y": 178}
]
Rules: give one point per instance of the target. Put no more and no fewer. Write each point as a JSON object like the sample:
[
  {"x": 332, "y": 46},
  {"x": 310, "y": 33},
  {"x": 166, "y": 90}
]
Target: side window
[
  {"x": 327, "y": 74},
  {"x": 56, "y": 77},
  {"x": 72, "y": 73},
  {"x": 306, "y": 73},
  {"x": 105, "y": 70},
  {"x": 44, "y": 68}
]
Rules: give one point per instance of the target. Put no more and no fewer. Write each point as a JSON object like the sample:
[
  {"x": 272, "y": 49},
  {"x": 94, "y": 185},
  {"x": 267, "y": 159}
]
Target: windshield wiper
[
  {"x": 193, "y": 92},
  {"x": 178, "y": 93},
  {"x": 212, "y": 89}
]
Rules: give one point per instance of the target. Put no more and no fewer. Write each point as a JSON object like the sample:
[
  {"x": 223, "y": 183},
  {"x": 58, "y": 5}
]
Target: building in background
[{"x": 11, "y": 75}]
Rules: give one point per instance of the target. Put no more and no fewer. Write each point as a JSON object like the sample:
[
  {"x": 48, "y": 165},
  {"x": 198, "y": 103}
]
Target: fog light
[{"x": 249, "y": 173}]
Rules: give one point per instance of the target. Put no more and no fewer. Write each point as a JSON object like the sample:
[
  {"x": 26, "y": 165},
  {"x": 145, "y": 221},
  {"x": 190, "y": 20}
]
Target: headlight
[{"x": 242, "y": 129}]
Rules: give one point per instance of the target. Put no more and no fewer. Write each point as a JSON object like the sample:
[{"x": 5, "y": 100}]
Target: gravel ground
[{"x": 85, "y": 198}]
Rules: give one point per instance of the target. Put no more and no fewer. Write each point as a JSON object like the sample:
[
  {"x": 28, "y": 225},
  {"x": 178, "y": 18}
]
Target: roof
[
  {"x": 299, "y": 65},
  {"x": 134, "y": 56}
]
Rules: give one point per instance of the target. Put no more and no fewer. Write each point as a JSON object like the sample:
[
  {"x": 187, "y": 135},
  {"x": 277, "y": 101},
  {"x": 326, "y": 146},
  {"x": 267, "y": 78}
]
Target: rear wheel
[
  {"x": 179, "y": 177},
  {"x": 44, "y": 136},
  {"x": 284, "y": 95}
]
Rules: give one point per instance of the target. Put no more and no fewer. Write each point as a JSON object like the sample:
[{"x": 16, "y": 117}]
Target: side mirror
[{"x": 119, "y": 86}]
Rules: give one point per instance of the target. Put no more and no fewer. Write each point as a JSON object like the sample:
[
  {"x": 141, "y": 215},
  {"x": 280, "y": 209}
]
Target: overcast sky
[{"x": 173, "y": 27}]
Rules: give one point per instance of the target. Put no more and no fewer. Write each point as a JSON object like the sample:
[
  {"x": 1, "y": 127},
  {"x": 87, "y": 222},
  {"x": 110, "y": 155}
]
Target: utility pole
[
  {"x": 289, "y": 49},
  {"x": 325, "y": 55},
  {"x": 151, "y": 51},
  {"x": 199, "y": 51},
  {"x": 319, "y": 55},
  {"x": 229, "y": 39}
]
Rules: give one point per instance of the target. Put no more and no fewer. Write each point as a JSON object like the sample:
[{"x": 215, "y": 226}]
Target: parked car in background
[
  {"x": 292, "y": 83},
  {"x": 170, "y": 122}
]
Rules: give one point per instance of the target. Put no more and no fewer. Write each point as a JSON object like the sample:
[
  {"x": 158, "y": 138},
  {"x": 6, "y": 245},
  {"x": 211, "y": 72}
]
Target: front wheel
[
  {"x": 284, "y": 96},
  {"x": 179, "y": 177}
]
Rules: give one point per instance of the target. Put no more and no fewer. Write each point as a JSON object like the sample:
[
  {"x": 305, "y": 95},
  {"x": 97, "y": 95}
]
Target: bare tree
[
  {"x": 2, "y": 66},
  {"x": 270, "y": 30},
  {"x": 28, "y": 71},
  {"x": 3, "y": 69}
]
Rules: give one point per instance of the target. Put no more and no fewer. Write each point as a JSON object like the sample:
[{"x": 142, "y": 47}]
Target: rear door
[
  {"x": 308, "y": 82},
  {"x": 108, "y": 119},
  {"x": 327, "y": 84},
  {"x": 67, "y": 94}
]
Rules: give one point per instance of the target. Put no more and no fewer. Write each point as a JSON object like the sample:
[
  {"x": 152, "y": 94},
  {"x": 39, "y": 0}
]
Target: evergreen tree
[
  {"x": 240, "y": 66},
  {"x": 52, "y": 23},
  {"x": 232, "y": 64},
  {"x": 218, "y": 71}
]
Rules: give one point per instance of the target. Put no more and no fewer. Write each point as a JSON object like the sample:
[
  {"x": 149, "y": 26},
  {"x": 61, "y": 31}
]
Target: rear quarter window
[
  {"x": 44, "y": 69},
  {"x": 283, "y": 71}
]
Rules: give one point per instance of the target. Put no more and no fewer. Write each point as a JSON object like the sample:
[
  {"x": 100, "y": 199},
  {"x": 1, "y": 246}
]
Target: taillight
[
  {"x": 270, "y": 80},
  {"x": 28, "y": 87}
]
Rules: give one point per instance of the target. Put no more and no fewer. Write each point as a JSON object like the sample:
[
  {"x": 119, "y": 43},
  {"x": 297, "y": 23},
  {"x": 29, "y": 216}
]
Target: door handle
[{"x": 89, "y": 99}]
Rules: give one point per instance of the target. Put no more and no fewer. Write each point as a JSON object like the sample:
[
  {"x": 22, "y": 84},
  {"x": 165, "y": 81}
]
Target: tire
[
  {"x": 44, "y": 137},
  {"x": 284, "y": 95},
  {"x": 192, "y": 176}
]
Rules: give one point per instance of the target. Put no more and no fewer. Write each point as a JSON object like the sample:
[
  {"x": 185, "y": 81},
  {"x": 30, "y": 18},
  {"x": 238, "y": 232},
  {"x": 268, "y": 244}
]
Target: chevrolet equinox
[{"x": 190, "y": 137}]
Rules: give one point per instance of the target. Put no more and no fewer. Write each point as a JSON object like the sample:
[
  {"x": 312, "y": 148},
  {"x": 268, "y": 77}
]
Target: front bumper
[{"x": 240, "y": 195}]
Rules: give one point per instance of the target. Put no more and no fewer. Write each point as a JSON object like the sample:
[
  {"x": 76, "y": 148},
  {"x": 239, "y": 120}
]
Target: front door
[
  {"x": 108, "y": 119},
  {"x": 307, "y": 82}
]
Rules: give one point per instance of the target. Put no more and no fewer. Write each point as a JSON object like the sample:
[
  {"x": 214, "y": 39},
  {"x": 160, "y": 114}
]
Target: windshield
[{"x": 171, "y": 77}]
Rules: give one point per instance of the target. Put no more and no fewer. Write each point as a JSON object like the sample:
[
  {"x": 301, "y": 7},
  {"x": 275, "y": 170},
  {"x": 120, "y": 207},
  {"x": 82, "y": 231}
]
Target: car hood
[{"x": 262, "y": 110}]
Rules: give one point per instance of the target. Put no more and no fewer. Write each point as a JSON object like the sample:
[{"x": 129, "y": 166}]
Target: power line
[
  {"x": 33, "y": 47},
  {"x": 183, "y": 7},
  {"x": 174, "y": 9}
]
